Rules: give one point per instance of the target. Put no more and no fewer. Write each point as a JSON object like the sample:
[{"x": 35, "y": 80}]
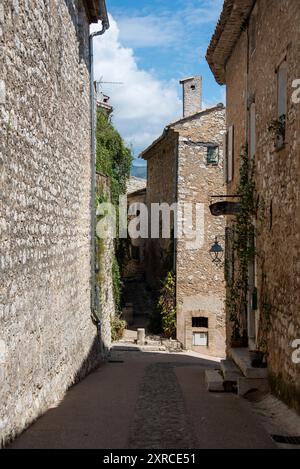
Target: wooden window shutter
[
  {"x": 230, "y": 153},
  {"x": 225, "y": 153}
]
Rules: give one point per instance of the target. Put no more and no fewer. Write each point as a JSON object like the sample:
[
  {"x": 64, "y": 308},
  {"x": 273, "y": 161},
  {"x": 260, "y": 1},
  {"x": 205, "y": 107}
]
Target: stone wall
[
  {"x": 277, "y": 35},
  {"x": 48, "y": 339},
  {"x": 161, "y": 188},
  {"x": 200, "y": 283},
  {"x": 135, "y": 267},
  {"x": 105, "y": 250}
]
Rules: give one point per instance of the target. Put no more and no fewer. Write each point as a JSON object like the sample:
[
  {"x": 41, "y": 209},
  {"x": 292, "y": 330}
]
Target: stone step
[
  {"x": 246, "y": 385},
  {"x": 230, "y": 371},
  {"x": 241, "y": 358},
  {"x": 214, "y": 381},
  {"x": 131, "y": 347}
]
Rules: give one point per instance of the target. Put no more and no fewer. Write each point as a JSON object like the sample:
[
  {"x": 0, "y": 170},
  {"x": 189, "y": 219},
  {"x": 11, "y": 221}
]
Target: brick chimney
[{"x": 192, "y": 95}]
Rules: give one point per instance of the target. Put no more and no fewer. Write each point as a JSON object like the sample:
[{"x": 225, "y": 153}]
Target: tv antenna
[{"x": 101, "y": 82}]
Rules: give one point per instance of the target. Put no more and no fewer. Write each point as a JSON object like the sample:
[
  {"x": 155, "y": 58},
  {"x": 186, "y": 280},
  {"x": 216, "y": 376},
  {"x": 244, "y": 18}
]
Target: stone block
[
  {"x": 141, "y": 336},
  {"x": 214, "y": 381},
  {"x": 246, "y": 385}
]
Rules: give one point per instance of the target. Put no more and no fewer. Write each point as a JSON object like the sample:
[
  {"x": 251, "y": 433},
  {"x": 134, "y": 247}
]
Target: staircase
[{"x": 237, "y": 375}]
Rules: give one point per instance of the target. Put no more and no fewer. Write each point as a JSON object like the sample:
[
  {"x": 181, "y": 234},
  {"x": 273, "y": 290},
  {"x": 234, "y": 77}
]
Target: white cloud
[
  {"x": 149, "y": 31},
  {"x": 168, "y": 28},
  {"x": 143, "y": 105}
]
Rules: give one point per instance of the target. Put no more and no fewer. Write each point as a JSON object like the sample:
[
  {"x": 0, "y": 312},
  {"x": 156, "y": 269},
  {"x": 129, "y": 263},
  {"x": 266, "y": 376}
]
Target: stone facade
[
  {"x": 192, "y": 95},
  {"x": 179, "y": 170},
  {"x": 47, "y": 337},
  {"x": 135, "y": 265},
  {"x": 200, "y": 287},
  {"x": 250, "y": 60}
]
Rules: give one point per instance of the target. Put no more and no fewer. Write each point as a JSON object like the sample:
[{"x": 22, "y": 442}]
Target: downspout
[{"x": 105, "y": 27}]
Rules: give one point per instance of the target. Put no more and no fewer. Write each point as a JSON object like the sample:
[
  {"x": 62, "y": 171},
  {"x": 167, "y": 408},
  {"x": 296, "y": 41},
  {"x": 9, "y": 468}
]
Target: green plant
[
  {"x": 166, "y": 306},
  {"x": 118, "y": 326},
  {"x": 113, "y": 160},
  {"x": 278, "y": 128},
  {"x": 117, "y": 284},
  {"x": 243, "y": 235}
]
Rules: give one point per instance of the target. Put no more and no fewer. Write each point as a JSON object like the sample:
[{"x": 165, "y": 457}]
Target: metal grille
[{"x": 200, "y": 322}]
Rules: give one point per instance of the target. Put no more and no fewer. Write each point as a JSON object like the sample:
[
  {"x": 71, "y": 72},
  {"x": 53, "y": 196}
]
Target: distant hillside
[{"x": 139, "y": 171}]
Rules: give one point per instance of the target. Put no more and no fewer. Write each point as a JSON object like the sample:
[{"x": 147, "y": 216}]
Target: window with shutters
[
  {"x": 252, "y": 130},
  {"x": 282, "y": 89},
  {"x": 225, "y": 153},
  {"x": 282, "y": 78},
  {"x": 212, "y": 155},
  {"x": 230, "y": 154}
]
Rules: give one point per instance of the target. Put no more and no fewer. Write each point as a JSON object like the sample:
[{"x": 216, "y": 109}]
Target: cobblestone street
[{"x": 148, "y": 400}]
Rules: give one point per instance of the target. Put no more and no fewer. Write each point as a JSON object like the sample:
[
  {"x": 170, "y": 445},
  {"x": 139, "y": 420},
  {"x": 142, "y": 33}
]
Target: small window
[
  {"x": 200, "y": 339},
  {"x": 200, "y": 322},
  {"x": 193, "y": 87},
  {"x": 213, "y": 154}
]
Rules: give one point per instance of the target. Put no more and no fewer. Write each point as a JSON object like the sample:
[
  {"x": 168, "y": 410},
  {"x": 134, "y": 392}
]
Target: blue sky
[{"x": 150, "y": 46}]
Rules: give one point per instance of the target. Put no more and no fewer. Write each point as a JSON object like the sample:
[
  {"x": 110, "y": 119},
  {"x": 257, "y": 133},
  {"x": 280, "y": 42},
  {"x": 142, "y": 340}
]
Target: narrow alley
[
  {"x": 148, "y": 400},
  {"x": 149, "y": 226}
]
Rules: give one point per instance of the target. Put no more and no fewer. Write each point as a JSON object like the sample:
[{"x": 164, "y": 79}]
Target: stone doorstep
[
  {"x": 214, "y": 381},
  {"x": 230, "y": 371},
  {"x": 245, "y": 385},
  {"x": 241, "y": 358},
  {"x": 129, "y": 347}
]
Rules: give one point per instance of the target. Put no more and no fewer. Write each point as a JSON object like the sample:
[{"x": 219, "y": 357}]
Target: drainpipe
[{"x": 105, "y": 27}]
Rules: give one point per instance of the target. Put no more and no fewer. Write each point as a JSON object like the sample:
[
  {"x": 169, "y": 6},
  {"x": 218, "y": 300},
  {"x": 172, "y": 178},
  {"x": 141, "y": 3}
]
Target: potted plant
[{"x": 257, "y": 358}]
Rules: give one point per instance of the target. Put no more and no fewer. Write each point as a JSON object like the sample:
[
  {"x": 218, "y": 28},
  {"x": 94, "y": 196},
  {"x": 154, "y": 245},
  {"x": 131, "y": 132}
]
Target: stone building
[
  {"x": 185, "y": 165},
  {"x": 136, "y": 196},
  {"x": 255, "y": 51},
  {"x": 48, "y": 339}
]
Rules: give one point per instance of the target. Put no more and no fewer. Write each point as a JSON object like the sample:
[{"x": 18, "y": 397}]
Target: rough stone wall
[
  {"x": 200, "y": 283},
  {"x": 104, "y": 282},
  {"x": 48, "y": 340},
  {"x": 161, "y": 188},
  {"x": 192, "y": 96},
  {"x": 135, "y": 268},
  {"x": 236, "y": 108},
  {"x": 277, "y": 178}
]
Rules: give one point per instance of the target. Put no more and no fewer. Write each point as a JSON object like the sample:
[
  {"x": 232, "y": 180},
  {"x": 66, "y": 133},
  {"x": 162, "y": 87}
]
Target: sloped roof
[
  {"x": 231, "y": 23},
  {"x": 180, "y": 121},
  {"x": 96, "y": 10}
]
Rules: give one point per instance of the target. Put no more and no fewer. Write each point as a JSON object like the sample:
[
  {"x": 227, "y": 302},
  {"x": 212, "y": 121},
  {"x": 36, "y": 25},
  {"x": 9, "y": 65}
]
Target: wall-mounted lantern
[{"x": 216, "y": 252}]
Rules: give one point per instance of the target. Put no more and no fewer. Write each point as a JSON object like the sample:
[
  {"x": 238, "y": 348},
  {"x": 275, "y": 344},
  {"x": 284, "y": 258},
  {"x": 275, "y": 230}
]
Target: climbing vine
[
  {"x": 114, "y": 161},
  {"x": 166, "y": 306},
  {"x": 243, "y": 236}
]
